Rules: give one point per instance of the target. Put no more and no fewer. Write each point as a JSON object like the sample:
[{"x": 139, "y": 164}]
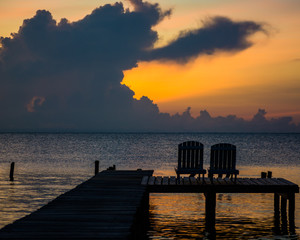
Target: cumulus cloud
[{"x": 66, "y": 76}]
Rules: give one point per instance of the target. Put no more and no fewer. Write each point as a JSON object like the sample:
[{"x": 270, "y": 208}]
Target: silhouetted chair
[
  {"x": 223, "y": 160},
  {"x": 190, "y": 159}
]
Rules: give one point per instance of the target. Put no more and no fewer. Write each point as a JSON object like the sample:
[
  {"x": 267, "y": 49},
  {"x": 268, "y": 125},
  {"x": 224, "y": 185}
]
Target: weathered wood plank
[
  {"x": 278, "y": 181},
  {"x": 145, "y": 180},
  {"x": 186, "y": 181},
  {"x": 201, "y": 181},
  {"x": 193, "y": 181},
  {"x": 286, "y": 181},
  {"x": 229, "y": 181},
  {"x": 207, "y": 181},
  {"x": 215, "y": 181},
  {"x": 165, "y": 181},
  {"x": 180, "y": 182},
  {"x": 274, "y": 182},
  {"x": 172, "y": 180},
  {"x": 221, "y": 181},
  {"x": 256, "y": 181},
  {"x": 151, "y": 180},
  {"x": 248, "y": 181},
  {"x": 158, "y": 180}
]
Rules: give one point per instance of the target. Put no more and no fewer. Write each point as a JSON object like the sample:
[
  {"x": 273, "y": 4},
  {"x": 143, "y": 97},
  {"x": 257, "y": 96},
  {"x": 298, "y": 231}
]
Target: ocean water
[{"x": 48, "y": 165}]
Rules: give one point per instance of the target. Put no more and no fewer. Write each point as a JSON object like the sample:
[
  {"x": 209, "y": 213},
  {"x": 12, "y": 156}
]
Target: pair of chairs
[{"x": 222, "y": 160}]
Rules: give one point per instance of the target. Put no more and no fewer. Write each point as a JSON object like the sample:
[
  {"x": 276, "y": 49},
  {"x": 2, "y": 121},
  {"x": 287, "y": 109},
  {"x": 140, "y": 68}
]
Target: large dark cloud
[
  {"x": 67, "y": 75},
  {"x": 217, "y": 33}
]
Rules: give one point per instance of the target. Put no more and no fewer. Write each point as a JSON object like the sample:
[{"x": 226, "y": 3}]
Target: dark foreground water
[{"x": 50, "y": 164}]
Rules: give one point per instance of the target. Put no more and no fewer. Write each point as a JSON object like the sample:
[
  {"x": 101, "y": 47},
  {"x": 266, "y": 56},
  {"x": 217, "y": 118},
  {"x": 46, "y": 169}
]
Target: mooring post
[
  {"x": 12, "y": 168},
  {"x": 96, "y": 167},
  {"x": 263, "y": 174},
  {"x": 210, "y": 209},
  {"x": 269, "y": 174}
]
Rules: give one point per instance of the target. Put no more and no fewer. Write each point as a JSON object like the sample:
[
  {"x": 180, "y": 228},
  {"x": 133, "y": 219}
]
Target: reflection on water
[
  {"x": 238, "y": 216},
  {"x": 30, "y": 192}
]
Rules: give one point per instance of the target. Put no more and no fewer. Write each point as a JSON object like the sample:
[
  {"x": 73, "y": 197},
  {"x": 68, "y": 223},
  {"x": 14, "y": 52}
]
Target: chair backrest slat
[
  {"x": 198, "y": 156},
  {"x": 184, "y": 157},
  {"x": 190, "y": 155},
  {"x": 179, "y": 158}
]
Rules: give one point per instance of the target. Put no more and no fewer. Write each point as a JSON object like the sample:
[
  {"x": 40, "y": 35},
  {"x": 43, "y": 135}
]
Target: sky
[{"x": 190, "y": 65}]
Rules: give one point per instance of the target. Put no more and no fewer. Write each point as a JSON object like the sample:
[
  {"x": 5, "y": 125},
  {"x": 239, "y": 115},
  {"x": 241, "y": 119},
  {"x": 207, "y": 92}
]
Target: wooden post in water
[
  {"x": 277, "y": 230},
  {"x": 11, "y": 174},
  {"x": 276, "y": 205},
  {"x": 263, "y": 174},
  {"x": 269, "y": 174},
  {"x": 96, "y": 167},
  {"x": 283, "y": 204},
  {"x": 292, "y": 212},
  {"x": 210, "y": 210}
]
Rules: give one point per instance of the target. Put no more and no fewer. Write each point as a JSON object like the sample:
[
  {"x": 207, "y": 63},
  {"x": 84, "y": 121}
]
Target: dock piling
[
  {"x": 283, "y": 204},
  {"x": 11, "y": 174},
  {"x": 210, "y": 209},
  {"x": 269, "y": 174},
  {"x": 276, "y": 205},
  {"x": 96, "y": 167},
  {"x": 292, "y": 212}
]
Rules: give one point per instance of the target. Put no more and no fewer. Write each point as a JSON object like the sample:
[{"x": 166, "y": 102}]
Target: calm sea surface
[{"x": 50, "y": 164}]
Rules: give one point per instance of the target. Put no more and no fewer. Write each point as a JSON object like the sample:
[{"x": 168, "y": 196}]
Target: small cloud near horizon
[{"x": 67, "y": 75}]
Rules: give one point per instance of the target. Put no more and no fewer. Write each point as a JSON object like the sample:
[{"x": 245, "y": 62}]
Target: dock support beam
[
  {"x": 291, "y": 197},
  {"x": 283, "y": 204},
  {"x": 210, "y": 210},
  {"x": 276, "y": 204},
  {"x": 280, "y": 202}
]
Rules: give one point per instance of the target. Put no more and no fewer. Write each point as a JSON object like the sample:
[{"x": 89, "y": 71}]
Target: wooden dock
[
  {"x": 283, "y": 190},
  {"x": 107, "y": 206},
  {"x": 115, "y": 204}
]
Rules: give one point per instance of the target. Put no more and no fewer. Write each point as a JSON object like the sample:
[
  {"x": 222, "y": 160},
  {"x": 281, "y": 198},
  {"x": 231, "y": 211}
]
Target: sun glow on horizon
[{"x": 224, "y": 84}]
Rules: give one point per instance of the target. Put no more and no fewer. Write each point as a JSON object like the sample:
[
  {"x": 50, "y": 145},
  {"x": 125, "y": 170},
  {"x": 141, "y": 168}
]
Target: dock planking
[
  {"x": 218, "y": 185},
  {"x": 107, "y": 206}
]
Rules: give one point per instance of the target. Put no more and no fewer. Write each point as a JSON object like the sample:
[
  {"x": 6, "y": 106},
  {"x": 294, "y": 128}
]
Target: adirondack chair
[
  {"x": 223, "y": 160},
  {"x": 190, "y": 159}
]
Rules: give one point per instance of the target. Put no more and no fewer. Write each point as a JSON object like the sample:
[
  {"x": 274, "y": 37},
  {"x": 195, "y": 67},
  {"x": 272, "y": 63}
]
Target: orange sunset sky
[{"x": 266, "y": 75}]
